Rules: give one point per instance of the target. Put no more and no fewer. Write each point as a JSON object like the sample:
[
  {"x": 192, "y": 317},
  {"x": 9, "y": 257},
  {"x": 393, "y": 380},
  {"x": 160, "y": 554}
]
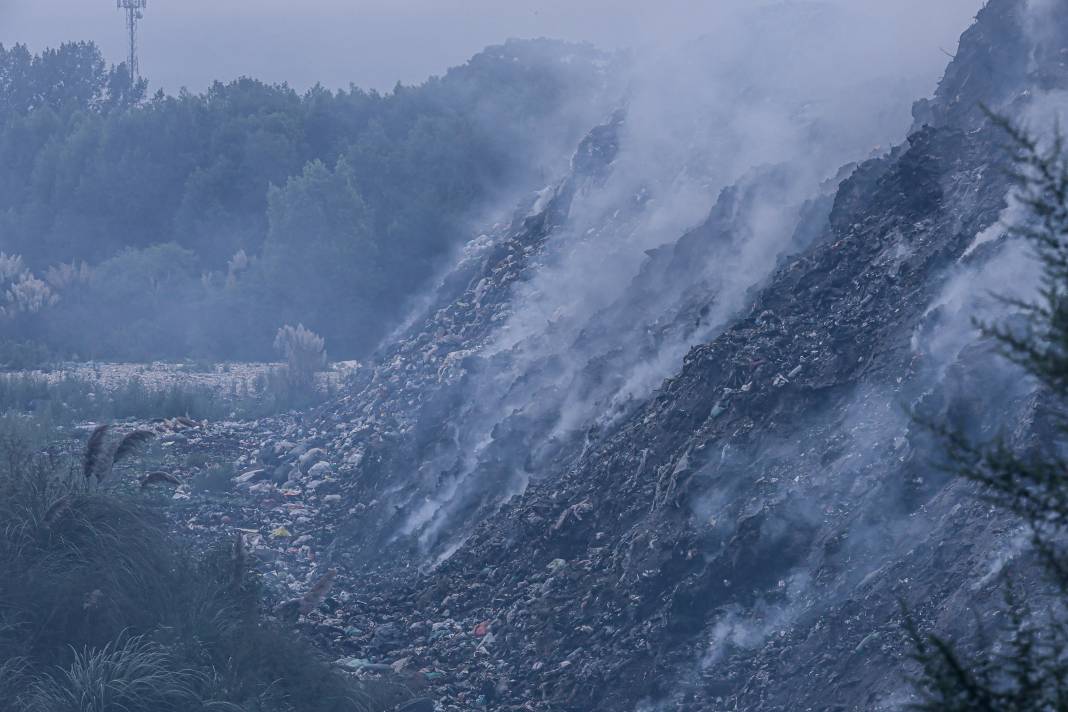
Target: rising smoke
[{"x": 776, "y": 98}]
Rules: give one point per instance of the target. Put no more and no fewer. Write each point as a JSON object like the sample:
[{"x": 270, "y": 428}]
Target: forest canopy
[{"x": 141, "y": 227}]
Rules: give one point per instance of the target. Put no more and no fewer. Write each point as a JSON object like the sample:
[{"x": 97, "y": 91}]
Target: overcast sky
[{"x": 375, "y": 43}]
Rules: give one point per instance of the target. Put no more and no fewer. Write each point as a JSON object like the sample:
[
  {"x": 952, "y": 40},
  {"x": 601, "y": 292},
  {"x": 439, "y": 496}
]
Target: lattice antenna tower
[{"x": 135, "y": 11}]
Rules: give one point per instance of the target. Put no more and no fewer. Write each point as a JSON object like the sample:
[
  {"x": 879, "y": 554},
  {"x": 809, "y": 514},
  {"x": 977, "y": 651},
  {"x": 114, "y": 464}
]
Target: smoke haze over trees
[
  {"x": 611, "y": 380},
  {"x": 257, "y": 205}
]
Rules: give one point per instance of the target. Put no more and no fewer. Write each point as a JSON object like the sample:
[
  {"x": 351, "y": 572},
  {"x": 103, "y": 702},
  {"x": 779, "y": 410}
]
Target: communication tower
[{"x": 135, "y": 11}]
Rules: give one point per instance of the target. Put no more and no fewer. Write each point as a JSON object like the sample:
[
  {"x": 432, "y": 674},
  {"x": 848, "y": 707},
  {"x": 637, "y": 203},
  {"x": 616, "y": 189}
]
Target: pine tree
[{"x": 1028, "y": 669}]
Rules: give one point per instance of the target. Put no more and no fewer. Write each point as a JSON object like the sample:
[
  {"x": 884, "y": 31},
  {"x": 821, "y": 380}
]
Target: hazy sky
[{"x": 375, "y": 43}]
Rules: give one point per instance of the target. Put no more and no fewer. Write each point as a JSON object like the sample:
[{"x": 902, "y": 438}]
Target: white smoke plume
[
  {"x": 804, "y": 87},
  {"x": 876, "y": 435}
]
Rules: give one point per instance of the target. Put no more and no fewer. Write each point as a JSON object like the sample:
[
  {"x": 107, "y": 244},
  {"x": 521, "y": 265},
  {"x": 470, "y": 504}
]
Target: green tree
[
  {"x": 73, "y": 76},
  {"x": 89, "y": 170},
  {"x": 320, "y": 263}
]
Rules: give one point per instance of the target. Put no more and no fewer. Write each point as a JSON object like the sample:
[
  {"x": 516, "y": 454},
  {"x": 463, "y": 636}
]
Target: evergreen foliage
[
  {"x": 1025, "y": 667},
  {"x": 198, "y": 224}
]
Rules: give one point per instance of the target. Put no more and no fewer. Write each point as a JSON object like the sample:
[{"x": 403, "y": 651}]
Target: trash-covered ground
[
  {"x": 738, "y": 539},
  {"x": 288, "y": 525},
  {"x": 236, "y": 377}
]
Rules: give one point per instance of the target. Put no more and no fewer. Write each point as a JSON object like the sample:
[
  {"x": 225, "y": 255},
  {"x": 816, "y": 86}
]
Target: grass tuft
[
  {"x": 103, "y": 606},
  {"x": 127, "y": 674}
]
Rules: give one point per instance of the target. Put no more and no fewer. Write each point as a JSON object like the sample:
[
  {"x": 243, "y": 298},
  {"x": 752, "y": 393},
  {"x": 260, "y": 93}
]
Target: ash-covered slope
[
  {"x": 738, "y": 541},
  {"x": 554, "y": 328},
  {"x": 505, "y": 382},
  {"x": 737, "y": 536}
]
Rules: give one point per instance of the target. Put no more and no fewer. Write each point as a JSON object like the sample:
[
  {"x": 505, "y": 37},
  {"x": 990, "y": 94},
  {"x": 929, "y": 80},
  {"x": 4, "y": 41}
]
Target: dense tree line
[{"x": 197, "y": 224}]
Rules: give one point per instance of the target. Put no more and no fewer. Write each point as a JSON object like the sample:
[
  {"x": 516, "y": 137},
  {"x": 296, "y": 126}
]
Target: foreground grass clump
[
  {"x": 102, "y": 609},
  {"x": 132, "y": 674}
]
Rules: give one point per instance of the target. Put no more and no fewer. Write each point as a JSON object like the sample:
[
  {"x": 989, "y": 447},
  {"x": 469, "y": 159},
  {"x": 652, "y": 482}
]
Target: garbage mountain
[{"x": 700, "y": 486}]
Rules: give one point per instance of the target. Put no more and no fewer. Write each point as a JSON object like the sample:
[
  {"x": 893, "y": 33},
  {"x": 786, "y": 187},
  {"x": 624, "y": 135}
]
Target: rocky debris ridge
[
  {"x": 737, "y": 538},
  {"x": 397, "y": 412}
]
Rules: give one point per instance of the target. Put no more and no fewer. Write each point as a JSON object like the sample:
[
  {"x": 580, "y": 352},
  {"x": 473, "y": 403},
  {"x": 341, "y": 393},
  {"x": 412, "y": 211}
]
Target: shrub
[
  {"x": 130, "y": 674},
  {"x": 304, "y": 352},
  {"x": 20, "y": 355},
  {"x": 103, "y": 608}
]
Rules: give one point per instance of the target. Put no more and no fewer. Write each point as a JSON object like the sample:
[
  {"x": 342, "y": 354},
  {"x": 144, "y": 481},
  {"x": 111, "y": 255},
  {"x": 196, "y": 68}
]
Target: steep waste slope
[
  {"x": 555, "y": 328},
  {"x": 739, "y": 540},
  {"x": 545, "y": 523},
  {"x": 399, "y": 417}
]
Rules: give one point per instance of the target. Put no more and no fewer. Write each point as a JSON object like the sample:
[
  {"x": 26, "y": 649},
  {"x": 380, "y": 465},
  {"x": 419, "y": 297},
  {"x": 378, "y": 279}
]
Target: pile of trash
[
  {"x": 159, "y": 376},
  {"x": 738, "y": 540}
]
